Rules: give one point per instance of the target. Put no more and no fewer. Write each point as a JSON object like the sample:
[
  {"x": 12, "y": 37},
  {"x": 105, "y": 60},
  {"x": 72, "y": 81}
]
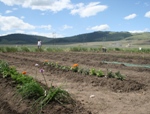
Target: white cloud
[
  {"x": 47, "y": 27},
  {"x": 67, "y": 27},
  {"x": 13, "y": 23},
  {"x": 131, "y": 16},
  {"x": 99, "y": 27},
  {"x": 89, "y": 10},
  {"x": 147, "y": 14},
  {"x": 8, "y": 11},
  {"x": 139, "y": 31},
  {"x": 53, "y": 5},
  {"x": 50, "y": 35},
  {"x": 19, "y": 31}
]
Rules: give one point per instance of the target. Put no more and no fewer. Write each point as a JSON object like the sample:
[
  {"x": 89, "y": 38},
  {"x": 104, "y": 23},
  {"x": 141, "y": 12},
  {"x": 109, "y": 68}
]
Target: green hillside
[
  {"x": 98, "y": 36},
  {"x": 139, "y": 36},
  {"x": 93, "y": 37},
  {"x": 22, "y": 39}
]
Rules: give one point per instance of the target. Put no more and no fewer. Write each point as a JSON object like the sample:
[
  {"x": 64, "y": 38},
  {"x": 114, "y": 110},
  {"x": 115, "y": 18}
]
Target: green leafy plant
[
  {"x": 5, "y": 70},
  {"x": 57, "y": 65},
  {"x": 65, "y": 68},
  {"x": 86, "y": 71},
  {"x": 99, "y": 73},
  {"x": 119, "y": 76},
  {"x": 92, "y": 71},
  {"x": 10, "y": 71},
  {"x": 21, "y": 79},
  {"x": 25, "y": 49},
  {"x": 110, "y": 74},
  {"x": 80, "y": 70}
]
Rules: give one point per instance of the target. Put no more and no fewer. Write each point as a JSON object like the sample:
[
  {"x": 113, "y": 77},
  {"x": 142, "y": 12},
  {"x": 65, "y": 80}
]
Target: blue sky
[{"x": 61, "y": 18}]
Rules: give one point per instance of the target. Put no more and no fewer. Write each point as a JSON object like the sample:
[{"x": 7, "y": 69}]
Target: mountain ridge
[{"x": 18, "y": 38}]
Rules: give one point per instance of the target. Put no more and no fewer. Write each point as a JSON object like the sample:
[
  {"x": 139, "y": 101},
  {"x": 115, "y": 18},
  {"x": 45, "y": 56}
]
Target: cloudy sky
[{"x": 61, "y": 18}]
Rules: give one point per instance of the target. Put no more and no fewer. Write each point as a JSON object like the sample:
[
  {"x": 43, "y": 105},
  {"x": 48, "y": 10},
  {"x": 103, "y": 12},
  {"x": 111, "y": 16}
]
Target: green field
[{"x": 122, "y": 45}]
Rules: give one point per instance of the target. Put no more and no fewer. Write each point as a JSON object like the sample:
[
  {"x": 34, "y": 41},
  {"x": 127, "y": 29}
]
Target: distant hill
[
  {"x": 22, "y": 39},
  {"x": 94, "y": 37},
  {"x": 88, "y": 37},
  {"x": 139, "y": 36}
]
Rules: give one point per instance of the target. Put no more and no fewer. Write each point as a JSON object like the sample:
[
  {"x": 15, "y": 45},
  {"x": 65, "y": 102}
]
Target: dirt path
[{"x": 110, "y": 95}]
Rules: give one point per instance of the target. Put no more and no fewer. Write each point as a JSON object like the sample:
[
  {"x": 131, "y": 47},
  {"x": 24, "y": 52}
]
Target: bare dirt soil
[{"x": 110, "y": 96}]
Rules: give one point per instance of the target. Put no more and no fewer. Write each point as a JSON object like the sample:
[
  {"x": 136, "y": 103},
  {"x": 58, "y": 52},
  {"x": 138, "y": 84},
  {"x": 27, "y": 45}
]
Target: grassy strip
[{"x": 70, "y": 49}]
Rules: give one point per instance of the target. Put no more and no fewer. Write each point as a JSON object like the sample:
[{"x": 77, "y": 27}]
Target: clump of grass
[
  {"x": 11, "y": 49},
  {"x": 118, "y": 49},
  {"x": 95, "y": 49},
  {"x": 54, "y": 49},
  {"x": 2, "y": 49},
  {"x": 31, "y": 90},
  {"x": 56, "y": 94},
  {"x": 79, "y": 49},
  {"x": 25, "y": 49},
  {"x": 39, "y": 50}
]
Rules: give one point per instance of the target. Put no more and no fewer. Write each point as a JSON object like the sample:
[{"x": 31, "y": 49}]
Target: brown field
[{"x": 111, "y": 96}]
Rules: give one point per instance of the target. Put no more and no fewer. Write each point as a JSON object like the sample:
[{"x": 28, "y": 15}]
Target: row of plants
[
  {"x": 73, "y": 49},
  {"x": 92, "y": 71},
  {"x": 131, "y": 50},
  {"x": 29, "y": 88}
]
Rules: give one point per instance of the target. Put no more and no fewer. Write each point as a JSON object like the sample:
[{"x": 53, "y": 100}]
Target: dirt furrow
[{"x": 108, "y": 95}]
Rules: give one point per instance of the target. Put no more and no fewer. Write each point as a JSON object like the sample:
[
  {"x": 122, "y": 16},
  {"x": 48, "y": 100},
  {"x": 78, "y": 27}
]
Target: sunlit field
[
  {"x": 68, "y": 78},
  {"x": 126, "y": 46}
]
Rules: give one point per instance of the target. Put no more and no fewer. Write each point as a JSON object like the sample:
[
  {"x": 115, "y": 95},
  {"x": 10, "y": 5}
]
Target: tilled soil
[{"x": 110, "y": 95}]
